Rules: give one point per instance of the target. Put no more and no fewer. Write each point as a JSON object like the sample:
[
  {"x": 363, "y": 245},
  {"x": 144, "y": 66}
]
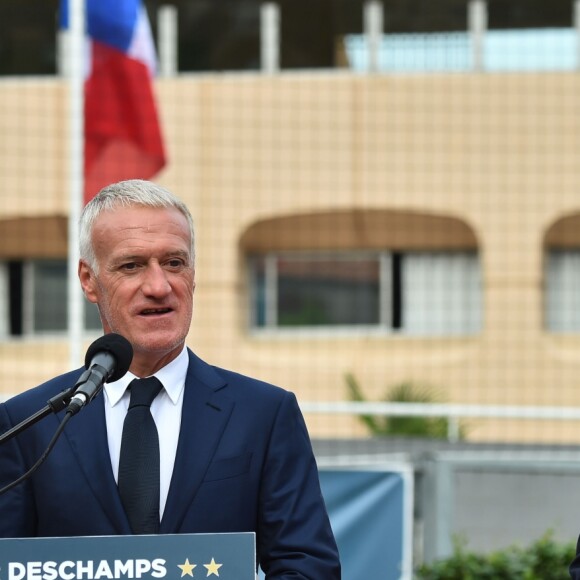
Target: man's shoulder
[
  {"x": 247, "y": 382},
  {"x": 239, "y": 384},
  {"x": 254, "y": 398}
]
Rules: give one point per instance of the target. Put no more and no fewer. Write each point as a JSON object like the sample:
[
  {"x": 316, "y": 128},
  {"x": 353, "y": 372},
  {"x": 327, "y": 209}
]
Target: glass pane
[
  {"x": 258, "y": 291},
  {"x": 563, "y": 291},
  {"x": 4, "y": 300},
  {"x": 441, "y": 293},
  {"x": 50, "y": 296},
  {"x": 318, "y": 292},
  {"x": 92, "y": 319}
]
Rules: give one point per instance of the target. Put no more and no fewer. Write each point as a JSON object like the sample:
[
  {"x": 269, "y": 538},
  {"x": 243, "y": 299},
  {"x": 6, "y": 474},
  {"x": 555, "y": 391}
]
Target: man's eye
[
  {"x": 175, "y": 263},
  {"x": 129, "y": 266}
]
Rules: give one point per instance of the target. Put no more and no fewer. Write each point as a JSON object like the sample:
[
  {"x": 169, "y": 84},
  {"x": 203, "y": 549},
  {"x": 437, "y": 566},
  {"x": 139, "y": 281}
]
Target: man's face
[{"x": 144, "y": 288}]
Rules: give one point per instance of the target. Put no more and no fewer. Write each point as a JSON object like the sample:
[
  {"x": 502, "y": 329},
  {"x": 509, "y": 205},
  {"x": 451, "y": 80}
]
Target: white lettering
[
  {"x": 104, "y": 571},
  {"x": 34, "y": 571},
  {"x": 49, "y": 569},
  {"x": 62, "y": 570},
  {"x": 159, "y": 570},
  {"x": 142, "y": 567},
  {"x": 85, "y": 568},
  {"x": 124, "y": 569},
  {"x": 16, "y": 571}
]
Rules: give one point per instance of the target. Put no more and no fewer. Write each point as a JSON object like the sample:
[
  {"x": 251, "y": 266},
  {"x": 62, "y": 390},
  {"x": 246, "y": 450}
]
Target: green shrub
[{"x": 545, "y": 559}]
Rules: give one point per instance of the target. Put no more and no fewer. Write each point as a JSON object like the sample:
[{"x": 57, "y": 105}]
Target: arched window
[
  {"x": 562, "y": 275},
  {"x": 376, "y": 271},
  {"x": 33, "y": 278}
]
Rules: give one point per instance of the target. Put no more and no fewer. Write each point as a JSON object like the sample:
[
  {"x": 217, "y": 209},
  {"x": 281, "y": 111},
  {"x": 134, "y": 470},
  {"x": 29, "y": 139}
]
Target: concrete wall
[{"x": 493, "y": 501}]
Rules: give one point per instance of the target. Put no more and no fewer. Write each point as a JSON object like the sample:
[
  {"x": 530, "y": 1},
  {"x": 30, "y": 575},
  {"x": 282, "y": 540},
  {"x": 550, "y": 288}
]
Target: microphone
[{"x": 107, "y": 359}]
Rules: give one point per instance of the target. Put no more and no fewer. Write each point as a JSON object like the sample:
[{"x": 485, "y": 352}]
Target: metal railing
[{"x": 452, "y": 412}]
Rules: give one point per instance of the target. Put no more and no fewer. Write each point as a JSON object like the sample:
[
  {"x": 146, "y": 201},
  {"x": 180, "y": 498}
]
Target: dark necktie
[{"x": 139, "y": 459}]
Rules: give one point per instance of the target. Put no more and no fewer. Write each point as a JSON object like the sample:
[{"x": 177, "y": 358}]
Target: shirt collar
[{"x": 172, "y": 376}]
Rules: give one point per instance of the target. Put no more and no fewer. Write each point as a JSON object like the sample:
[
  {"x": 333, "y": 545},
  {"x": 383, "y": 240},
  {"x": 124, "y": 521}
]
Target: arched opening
[
  {"x": 33, "y": 277},
  {"x": 562, "y": 275},
  {"x": 359, "y": 230},
  {"x": 33, "y": 238},
  {"x": 379, "y": 271}
]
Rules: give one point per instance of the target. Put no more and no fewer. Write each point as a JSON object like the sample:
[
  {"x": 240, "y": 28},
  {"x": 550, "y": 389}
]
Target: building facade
[{"x": 415, "y": 228}]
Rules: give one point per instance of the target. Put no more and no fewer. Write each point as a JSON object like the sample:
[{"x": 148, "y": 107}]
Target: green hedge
[{"x": 543, "y": 560}]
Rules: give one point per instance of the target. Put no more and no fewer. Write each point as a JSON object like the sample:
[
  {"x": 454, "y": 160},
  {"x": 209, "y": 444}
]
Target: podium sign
[{"x": 167, "y": 557}]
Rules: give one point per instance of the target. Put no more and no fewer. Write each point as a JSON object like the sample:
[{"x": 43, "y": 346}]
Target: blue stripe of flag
[{"x": 111, "y": 22}]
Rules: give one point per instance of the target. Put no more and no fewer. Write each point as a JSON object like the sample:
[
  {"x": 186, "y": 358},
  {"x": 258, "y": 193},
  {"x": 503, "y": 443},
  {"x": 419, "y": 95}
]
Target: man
[
  {"x": 234, "y": 452},
  {"x": 574, "y": 568}
]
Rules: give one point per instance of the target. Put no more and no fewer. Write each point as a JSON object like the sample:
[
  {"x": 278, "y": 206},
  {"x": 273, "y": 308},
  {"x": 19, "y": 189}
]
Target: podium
[{"x": 169, "y": 557}]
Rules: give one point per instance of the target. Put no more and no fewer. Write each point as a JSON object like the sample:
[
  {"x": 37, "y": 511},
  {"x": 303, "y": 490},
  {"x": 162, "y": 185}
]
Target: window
[
  {"x": 47, "y": 309},
  {"x": 417, "y": 293},
  {"x": 563, "y": 290},
  {"x": 4, "y": 301},
  {"x": 441, "y": 293},
  {"x": 34, "y": 293}
]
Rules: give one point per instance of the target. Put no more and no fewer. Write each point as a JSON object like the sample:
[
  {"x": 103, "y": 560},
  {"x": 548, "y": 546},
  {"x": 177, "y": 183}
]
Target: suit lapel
[
  {"x": 206, "y": 411},
  {"x": 87, "y": 435}
]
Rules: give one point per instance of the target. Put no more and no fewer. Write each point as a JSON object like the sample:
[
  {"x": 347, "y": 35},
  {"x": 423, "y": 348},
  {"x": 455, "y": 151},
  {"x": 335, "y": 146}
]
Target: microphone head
[{"x": 118, "y": 347}]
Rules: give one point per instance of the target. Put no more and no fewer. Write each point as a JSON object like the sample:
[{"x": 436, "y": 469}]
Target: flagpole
[{"x": 76, "y": 68}]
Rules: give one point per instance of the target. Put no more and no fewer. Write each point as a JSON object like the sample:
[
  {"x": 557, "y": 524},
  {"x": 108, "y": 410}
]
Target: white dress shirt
[{"x": 166, "y": 411}]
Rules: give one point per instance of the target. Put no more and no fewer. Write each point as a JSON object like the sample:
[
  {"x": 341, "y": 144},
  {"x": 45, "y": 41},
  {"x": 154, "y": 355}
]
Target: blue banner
[
  {"x": 369, "y": 513},
  {"x": 170, "y": 557}
]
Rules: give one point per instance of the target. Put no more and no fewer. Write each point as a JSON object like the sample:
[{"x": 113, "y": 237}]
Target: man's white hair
[{"x": 133, "y": 192}]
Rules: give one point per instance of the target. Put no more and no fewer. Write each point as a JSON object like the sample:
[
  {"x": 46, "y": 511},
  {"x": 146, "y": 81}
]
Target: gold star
[
  {"x": 187, "y": 568},
  {"x": 212, "y": 568}
]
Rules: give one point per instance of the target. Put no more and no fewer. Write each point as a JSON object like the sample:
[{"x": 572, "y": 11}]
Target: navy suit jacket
[
  {"x": 575, "y": 565},
  {"x": 244, "y": 463}
]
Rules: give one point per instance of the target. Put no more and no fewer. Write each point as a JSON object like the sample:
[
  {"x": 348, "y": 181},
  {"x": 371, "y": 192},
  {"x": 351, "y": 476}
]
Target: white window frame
[
  {"x": 383, "y": 328},
  {"x": 29, "y": 306},
  {"x": 561, "y": 282},
  {"x": 4, "y": 302}
]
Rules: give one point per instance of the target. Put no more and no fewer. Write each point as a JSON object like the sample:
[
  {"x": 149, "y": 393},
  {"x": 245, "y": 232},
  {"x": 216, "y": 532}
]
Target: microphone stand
[
  {"x": 54, "y": 405},
  {"x": 43, "y": 457}
]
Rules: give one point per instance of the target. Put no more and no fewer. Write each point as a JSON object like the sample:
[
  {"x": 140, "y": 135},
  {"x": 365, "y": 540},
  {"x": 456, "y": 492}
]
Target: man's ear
[{"x": 88, "y": 281}]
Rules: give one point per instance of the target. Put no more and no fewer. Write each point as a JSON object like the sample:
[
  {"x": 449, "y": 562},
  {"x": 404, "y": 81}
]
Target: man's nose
[{"x": 156, "y": 283}]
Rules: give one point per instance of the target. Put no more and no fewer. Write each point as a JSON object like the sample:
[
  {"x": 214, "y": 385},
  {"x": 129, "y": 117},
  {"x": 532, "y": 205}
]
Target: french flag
[{"x": 122, "y": 131}]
